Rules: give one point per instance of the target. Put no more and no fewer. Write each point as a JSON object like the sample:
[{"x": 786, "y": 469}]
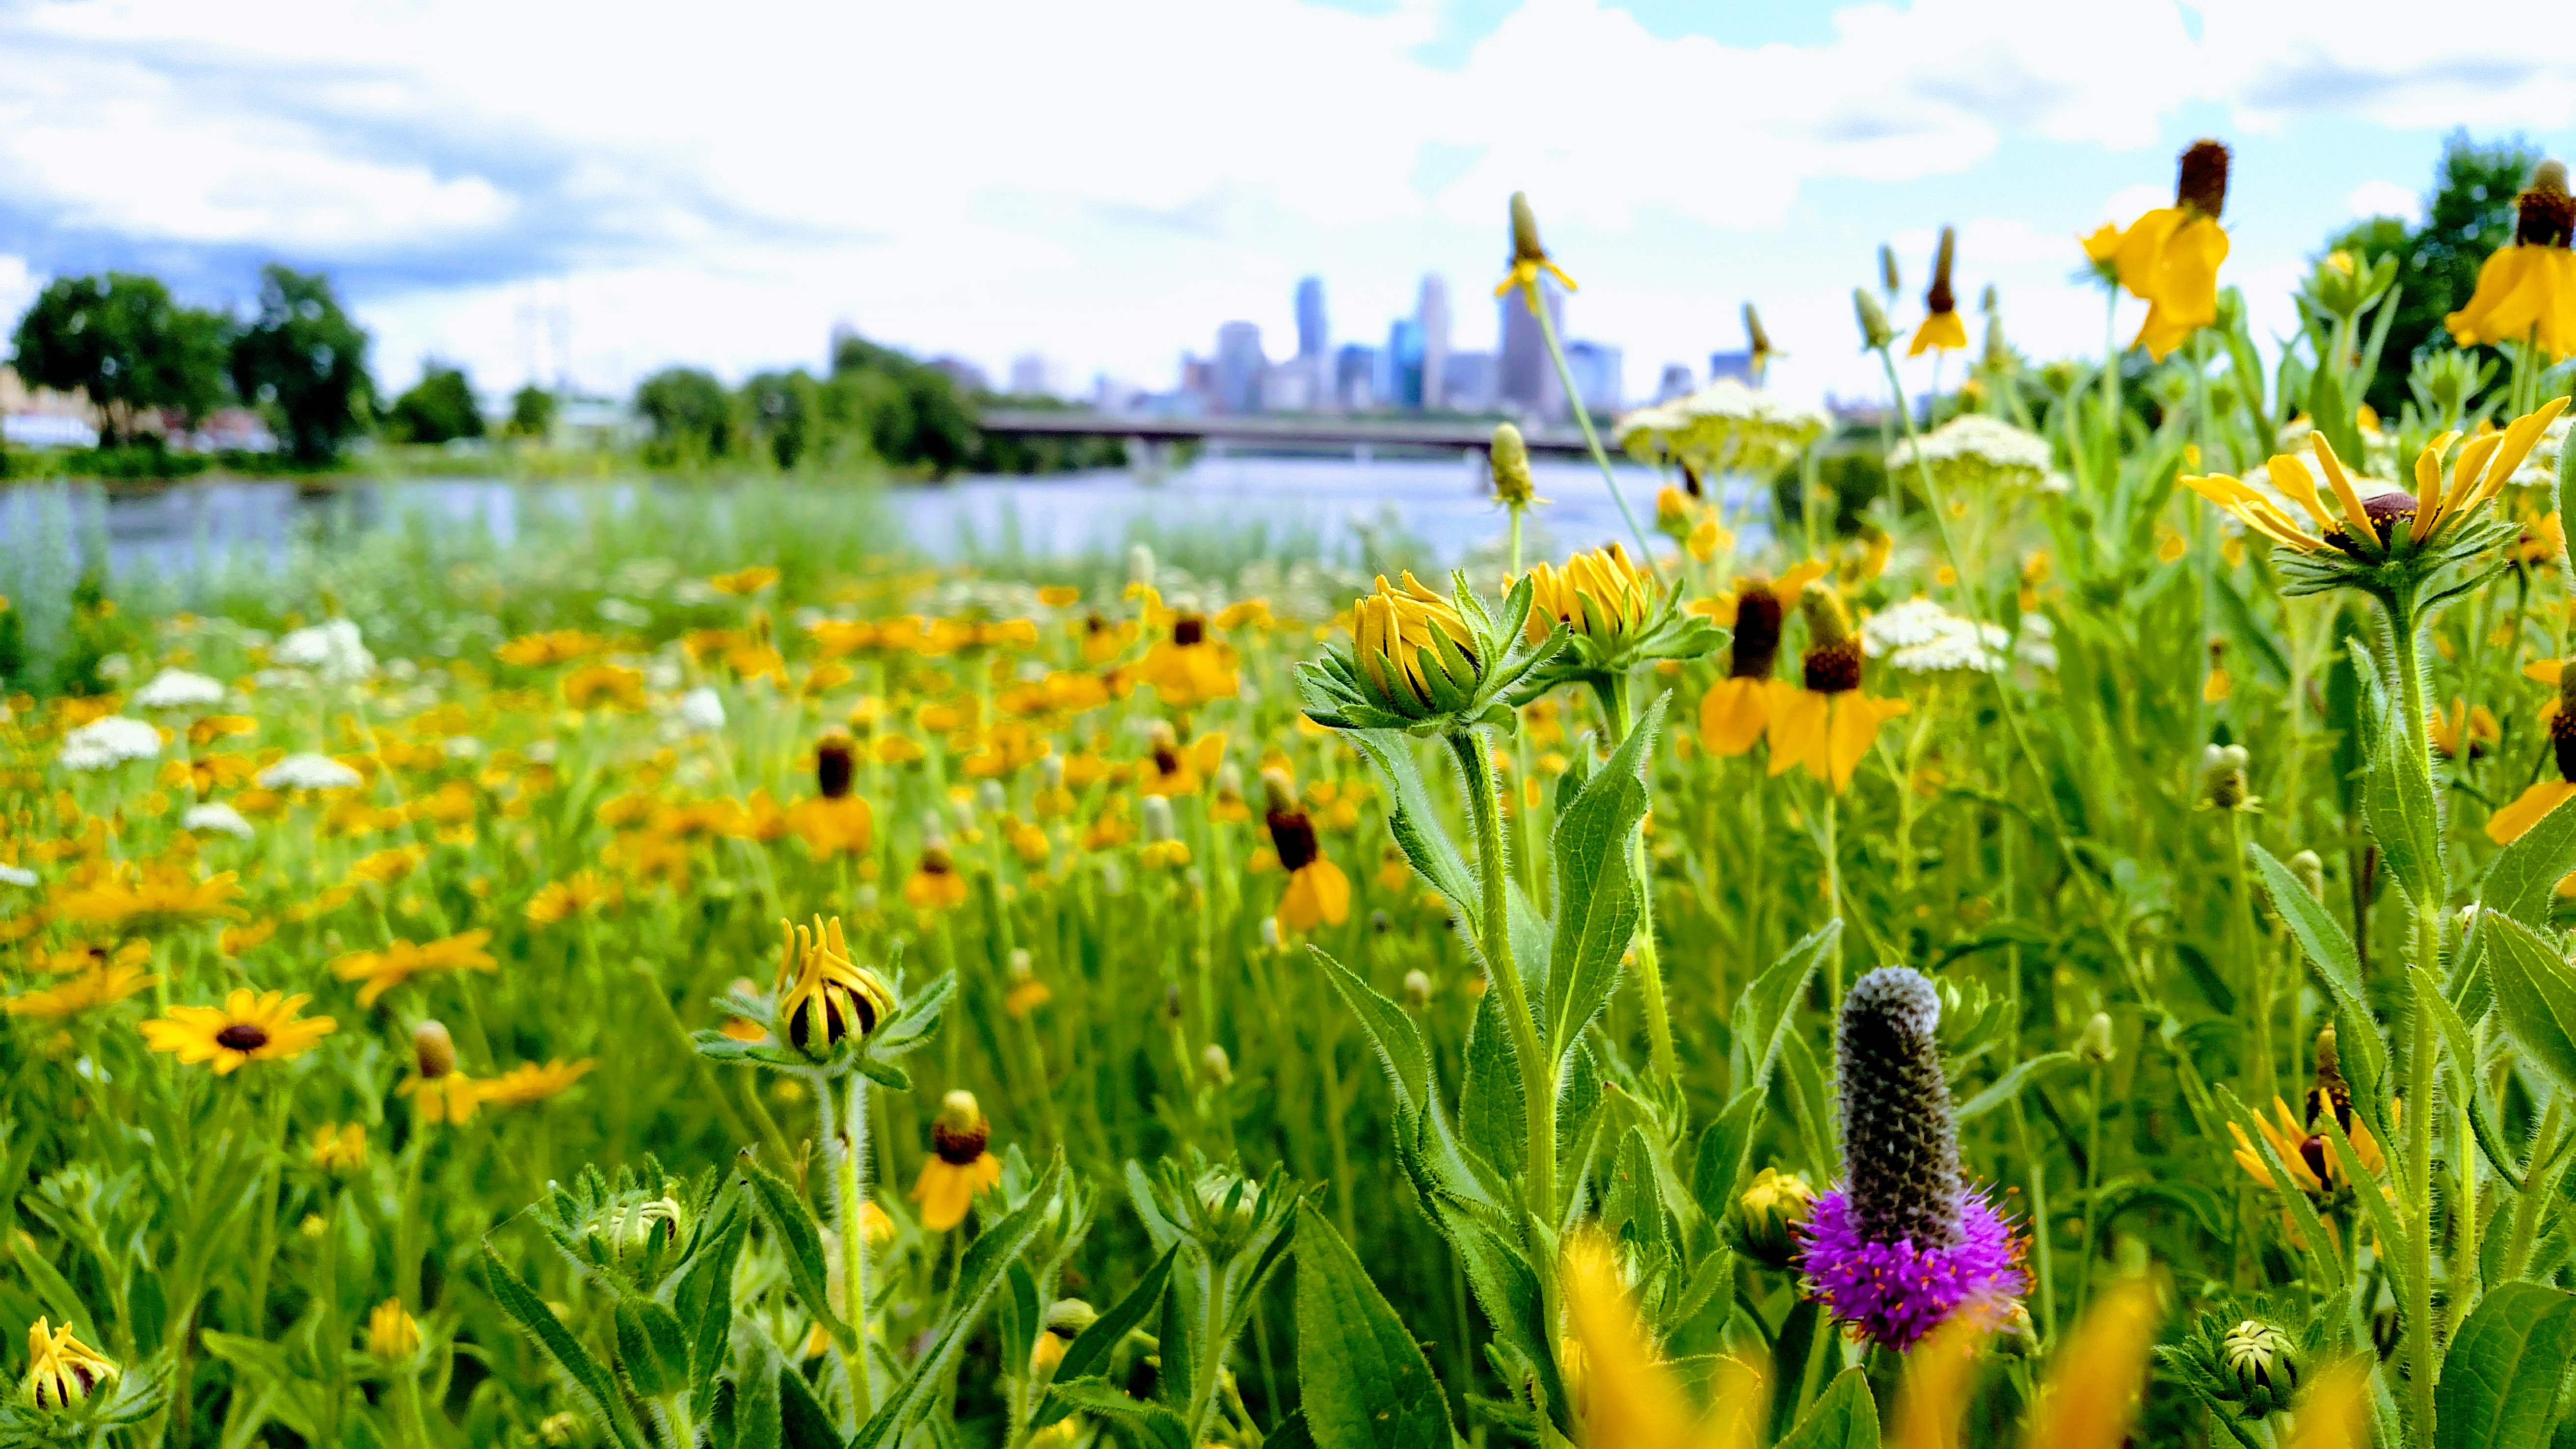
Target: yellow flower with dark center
[
  {"x": 248, "y": 1027},
  {"x": 1397, "y": 632},
  {"x": 528, "y": 1083},
  {"x": 2386, "y": 522},
  {"x": 2169, "y": 257},
  {"x": 1825, "y": 723},
  {"x": 1187, "y": 668},
  {"x": 742, "y": 583},
  {"x": 823, "y": 995},
  {"x": 162, "y": 893},
  {"x": 438, "y": 1091},
  {"x": 593, "y": 685},
  {"x": 554, "y": 646},
  {"x": 2462, "y": 727},
  {"x": 1529, "y": 258},
  {"x": 583, "y": 892},
  {"x": 392, "y": 1335},
  {"x": 1318, "y": 893},
  {"x": 340, "y": 1149},
  {"x": 1601, "y": 597},
  {"x": 1625, "y": 1395},
  {"x": 2553, "y": 789},
  {"x": 104, "y": 985},
  {"x": 935, "y": 884},
  {"x": 1941, "y": 325},
  {"x": 384, "y": 970},
  {"x": 61, "y": 1370},
  {"x": 1172, "y": 770},
  {"x": 830, "y": 827},
  {"x": 958, "y": 1166},
  {"x": 2527, "y": 291},
  {"x": 1738, "y": 707}
]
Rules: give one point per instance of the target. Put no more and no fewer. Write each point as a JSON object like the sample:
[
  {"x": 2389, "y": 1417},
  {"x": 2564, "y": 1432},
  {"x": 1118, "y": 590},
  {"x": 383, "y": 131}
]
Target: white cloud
[{"x": 2386, "y": 198}]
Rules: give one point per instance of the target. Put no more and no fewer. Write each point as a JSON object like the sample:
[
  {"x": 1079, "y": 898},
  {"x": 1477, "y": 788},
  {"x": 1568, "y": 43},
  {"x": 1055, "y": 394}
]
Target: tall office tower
[
  {"x": 1528, "y": 383},
  {"x": 1404, "y": 380},
  {"x": 1355, "y": 376},
  {"x": 1239, "y": 365},
  {"x": 1312, "y": 338},
  {"x": 1599, "y": 374},
  {"x": 1433, "y": 313}
]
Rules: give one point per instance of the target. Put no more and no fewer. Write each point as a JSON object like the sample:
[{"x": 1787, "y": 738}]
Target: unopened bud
[
  {"x": 1158, "y": 819},
  {"x": 2222, "y": 777},
  {"x": 1889, "y": 280},
  {"x": 1508, "y": 454},
  {"x": 1140, "y": 565},
  {"x": 433, "y": 1049},
  {"x": 1874, "y": 331},
  {"x": 2311, "y": 873},
  {"x": 2096, "y": 1046},
  {"x": 1270, "y": 937},
  {"x": 1417, "y": 989},
  {"x": 1768, "y": 1212},
  {"x": 990, "y": 798},
  {"x": 2263, "y": 1360},
  {"x": 1172, "y": 1003},
  {"x": 1278, "y": 792},
  {"x": 1216, "y": 1064}
]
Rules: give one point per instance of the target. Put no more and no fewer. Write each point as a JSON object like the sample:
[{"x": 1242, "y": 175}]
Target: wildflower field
[{"x": 2062, "y": 951}]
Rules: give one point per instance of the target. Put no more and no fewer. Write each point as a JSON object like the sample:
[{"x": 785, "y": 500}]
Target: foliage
[
  {"x": 121, "y": 339},
  {"x": 304, "y": 362},
  {"x": 437, "y": 409},
  {"x": 532, "y": 413}
]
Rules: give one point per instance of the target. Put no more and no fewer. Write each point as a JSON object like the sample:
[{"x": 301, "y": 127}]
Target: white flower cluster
[
  {"x": 333, "y": 649},
  {"x": 104, "y": 744},
  {"x": 1921, "y": 637},
  {"x": 702, "y": 711},
  {"x": 180, "y": 689},
  {"x": 1977, "y": 443},
  {"x": 17, "y": 875},
  {"x": 308, "y": 771},
  {"x": 218, "y": 817},
  {"x": 1723, "y": 425}
]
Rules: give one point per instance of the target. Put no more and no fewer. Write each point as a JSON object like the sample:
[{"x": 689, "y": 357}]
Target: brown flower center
[
  {"x": 2200, "y": 187},
  {"x": 1834, "y": 668},
  {"x": 242, "y": 1036},
  {"x": 2545, "y": 215},
  {"x": 958, "y": 1147},
  {"x": 832, "y": 769},
  {"x": 1189, "y": 629},
  {"x": 1757, "y": 635},
  {"x": 2562, "y": 744},
  {"x": 1293, "y": 836}
]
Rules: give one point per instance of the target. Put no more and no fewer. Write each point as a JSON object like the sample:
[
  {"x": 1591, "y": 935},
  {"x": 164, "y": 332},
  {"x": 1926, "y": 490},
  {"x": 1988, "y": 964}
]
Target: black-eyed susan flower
[
  {"x": 1614, "y": 613},
  {"x": 958, "y": 1166},
  {"x": 1941, "y": 325},
  {"x": 1172, "y": 769},
  {"x": 529, "y": 1083},
  {"x": 824, "y": 996},
  {"x": 62, "y": 1370},
  {"x": 2463, "y": 733},
  {"x": 438, "y": 1091},
  {"x": 1623, "y": 1392},
  {"x": 103, "y": 985},
  {"x": 1417, "y": 660},
  {"x": 934, "y": 884},
  {"x": 1188, "y": 667},
  {"x": 1529, "y": 259},
  {"x": 2389, "y": 543},
  {"x": 392, "y": 1334},
  {"x": 1738, "y": 708},
  {"x": 583, "y": 892},
  {"x": 249, "y": 1027},
  {"x": 2169, "y": 257},
  {"x": 1825, "y": 722},
  {"x": 1065, "y": 1320},
  {"x": 1318, "y": 893},
  {"x": 744, "y": 582},
  {"x": 399, "y": 962},
  {"x": 340, "y": 1149},
  {"x": 2527, "y": 290}
]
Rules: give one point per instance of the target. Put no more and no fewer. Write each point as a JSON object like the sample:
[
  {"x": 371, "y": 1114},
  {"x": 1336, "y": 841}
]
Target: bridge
[{"x": 1360, "y": 434}]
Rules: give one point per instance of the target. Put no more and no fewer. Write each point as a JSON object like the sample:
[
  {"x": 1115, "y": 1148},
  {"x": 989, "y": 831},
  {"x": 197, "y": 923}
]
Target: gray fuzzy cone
[{"x": 1900, "y": 1142}]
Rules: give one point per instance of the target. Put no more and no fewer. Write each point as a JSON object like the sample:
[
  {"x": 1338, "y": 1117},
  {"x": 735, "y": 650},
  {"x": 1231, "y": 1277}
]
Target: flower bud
[
  {"x": 2096, "y": 1046},
  {"x": 1218, "y": 1067},
  {"x": 991, "y": 799},
  {"x": 2263, "y": 1361},
  {"x": 1158, "y": 819},
  {"x": 1889, "y": 280},
  {"x": 1874, "y": 331},
  {"x": 1270, "y": 937},
  {"x": 1525, "y": 243},
  {"x": 1756, "y": 340},
  {"x": 392, "y": 1335},
  {"x": 1065, "y": 1321},
  {"x": 2311, "y": 873},
  {"x": 2222, "y": 777},
  {"x": 61, "y": 1370},
  {"x": 1172, "y": 1008},
  {"x": 1417, "y": 989},
  {"x": 433, "y": 1049},
  {"x": 1508, "y": 455},
  {"x": 1769, "y": 1213}
]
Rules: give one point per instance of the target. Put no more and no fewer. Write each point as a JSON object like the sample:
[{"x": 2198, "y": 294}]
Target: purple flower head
[{"x": 1902, "y": 1243}]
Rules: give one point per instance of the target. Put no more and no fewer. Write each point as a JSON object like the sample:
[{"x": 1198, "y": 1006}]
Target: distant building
[
  {"x": 1599, "y": 375},
  {"x": 1299, "y": 384},
  {"x": 1313, "y": 340},
  {"x": 1032, "y": 375},
  {"x": 1403, "y": 370},
  {"x": 965, "y": 376},
  {"x": 1677, "y": 382},
  {"x": 1737, "y": 365},
  {"x": 1527, "y": 385},
  {"x": 1432, "y": 312},
  {"x": 1198, "y": 380},
  {"x": 597, "y": 424},
  {"x": 1239, "y": 365},
  {"x": 1469, "y": 382},
  {"x": 1355, "y": 376}
]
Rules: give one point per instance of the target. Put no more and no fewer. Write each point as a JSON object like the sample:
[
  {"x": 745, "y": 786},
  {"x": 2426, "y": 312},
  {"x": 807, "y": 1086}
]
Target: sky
[{"x": 537, "y": 190}]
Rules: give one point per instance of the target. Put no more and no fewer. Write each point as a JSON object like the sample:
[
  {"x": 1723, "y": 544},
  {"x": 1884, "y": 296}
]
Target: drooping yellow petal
[
  {"x": 1790, "y": 585},
  {"x": 2513, "y": 296},
  {"x": 1938, "y": 1375},
  {"x": 1732, "y": 717},
  {"x": 1855, "y": 722},
  {"x": 2544, "y": 670},
  {"x": 2335, "y": 1414},
  {"x": 2290, "y": 474},
  {"x": 2355, "y": 516},
  {"x": 2507, "y": 825},
  {"x": 1941, "y": 329},
  {"x": 1798, "y": 730},
  {"x": 2094, "y": 1383}
]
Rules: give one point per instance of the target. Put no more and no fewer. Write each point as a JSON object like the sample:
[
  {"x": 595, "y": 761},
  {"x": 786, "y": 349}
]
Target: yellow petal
[
  {"x": 1943, "y": 330},
  {"x": 2507, "y": 825},
  {"x": 1732, "y": 717},
  {"x": 2355, "y": 518},
  {"x": 2094, "y": 1383}
]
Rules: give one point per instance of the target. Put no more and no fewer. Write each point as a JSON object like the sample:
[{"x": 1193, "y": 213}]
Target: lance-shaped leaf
[
  {"x": 1598, "y": 894},
  {"x": 1363, "y": 1380},
  {"x": 2357, "y": 1039},
  {"x": 2535, "y": 995}
]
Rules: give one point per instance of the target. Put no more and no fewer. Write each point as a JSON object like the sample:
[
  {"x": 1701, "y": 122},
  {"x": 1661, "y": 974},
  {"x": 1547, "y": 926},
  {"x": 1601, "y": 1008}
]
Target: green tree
[
  {"x": 532, "y": 413},
  {"x": 122, "y": 339},
  {"x": 305, "y": 362},
  {"x": 920, "y": 421},
  {"x": 782, "y": 409},
  {"x": 692, "y": 417},
  {"x": 2470, "y": 214},
  {"x": 440, "y": 408}
]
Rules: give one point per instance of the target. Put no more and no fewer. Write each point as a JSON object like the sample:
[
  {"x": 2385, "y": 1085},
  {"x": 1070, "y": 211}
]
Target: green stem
[
  {"x": 2266, "y": 1083},
  {"x": 2526, "y": 1208},
  {"x": 1583, "y": 420},
  {"x": 1494, "y": 942},
  {"x": 845, "y": 1137},
  {"x": 1616, "y": 695},
  {"x": 255, "y": 1306}
]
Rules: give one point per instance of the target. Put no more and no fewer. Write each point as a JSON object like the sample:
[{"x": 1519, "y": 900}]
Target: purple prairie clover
[{"x": 1903, "y": 1243}]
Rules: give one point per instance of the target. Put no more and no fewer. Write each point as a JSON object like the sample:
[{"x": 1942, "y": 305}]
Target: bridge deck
[{"x": 1286, "y": 431}]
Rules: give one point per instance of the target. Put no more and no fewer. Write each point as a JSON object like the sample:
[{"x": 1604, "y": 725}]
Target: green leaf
[
  {"x": 2330, "y": 951},
  {"x": 2010, "y": 1084},
  {"x": 2254, "y": 642},
  {"x": 2397, "y": 804},
  {"x": 1717, "y": 1172},
  {"x": 979, "y": 1276},
  {"x": 1361, "y": 1378},
  {"x": 2535, "y": 997},
  {"x": 1395, "y": 1035},
  {"x": 597, "y": 1387},
  {"x": 1845, "y": 1417},
  {"x": 1413, "y": 820},
  {"x": 1091, "y": 1348},
  {"x": 1490, "y": 1118},
  {"x": 651, "y": 1347},
  {"x": 2526, "y": 873},
  {"x": 2499, "y": 1386},
  {"x": 755, "y": 1402},
  {"x": 1508, "y": 1290},
  {"x": 1152, "y": 1423},
  {"x": 800, "y": 1241},
  {"x": 803, "y": 1422},
  {"x": 1770, "y": 1001},
  {"x": 1597, "y": 891}
]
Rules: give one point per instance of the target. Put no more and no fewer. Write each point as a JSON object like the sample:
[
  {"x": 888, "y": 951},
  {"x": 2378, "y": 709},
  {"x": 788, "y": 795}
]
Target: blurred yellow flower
[{"x": 248, "y": 1027}]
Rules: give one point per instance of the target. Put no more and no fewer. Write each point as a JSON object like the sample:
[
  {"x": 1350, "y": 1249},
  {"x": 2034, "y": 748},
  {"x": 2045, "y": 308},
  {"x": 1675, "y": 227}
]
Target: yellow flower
[
  {"x": 2475, "y": 729},
  {"x": 248, "y": 1027},
  {"x": 823, "y": 995},
  {"x": 1941, "y": 325},
  {"x": 103, "y": 986},
  {"x": 2169, "y": 257},
  {"x": 1318, "y": 893},
  {"x": 1601, "y": 596},
  {"x": 1188, "y": 669},
  {"x": 392, "y": 1335},
  {"x": 582, "y": 891},
  {"x": 742, "y": 583},
  {"x": 556, "y": 646},
  {"x": 1938, "y": 1376},
  {"x": 830, "y": 827},
  {"x": 339, "y": 1149},
  {"x": 2369, "y": 528},
  {"x": 2313, "y": 1163},
  {"x": 958, "y": 1166},
  {"x": 159, "y": 893},
  {"x": 389, "y": 867},
  {"x": 2527, "y": 291},
  {"x": 2335, "y": 1414},
  {"x": 527, "y": 1083},
  {"x": 384, "y": 970},
  {"x": 1393, "y": 633},
  {"x": 1172, "y": 770},
  {"x": 451, "y": 1097},
  {"x": 1827, "y": 724},
  {"x": 593, "y": 685},
  {"x": 61, "y": 1370},
  {"x": 2095, "y": 1380},
  {"x": 935, "y": 884},
  {"x": 1628, "y": 1398},
  {"x": 1738, "y": 707},
  {"x": 1528, "y": 257}
]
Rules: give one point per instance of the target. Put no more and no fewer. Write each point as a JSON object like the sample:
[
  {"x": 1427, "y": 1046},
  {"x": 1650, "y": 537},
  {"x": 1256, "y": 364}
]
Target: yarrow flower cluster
[
  {"x": 1723, "y": 425},
  {"x": 1974, "y": 450},
  {"x": 179, "y": 689},
  {"x": 1904, "y": 1243},
  {"x": 220, "y": 818},
  {"x": 334, "y": 649},
  {"x": 1921, "y": 637},
  {"x": 308, "y": 772},
  {"x": 104, "y": 744}
]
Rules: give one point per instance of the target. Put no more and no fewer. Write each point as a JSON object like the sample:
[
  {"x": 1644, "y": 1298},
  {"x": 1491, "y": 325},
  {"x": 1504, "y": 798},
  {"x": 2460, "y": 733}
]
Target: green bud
[
  {"x": 1768, "y": 1211},
  {"x": 2263, "y": 1361},
  {"x": 2096, "y": 1046},
  {"x": 1874, "y": 331},
  {"x": 1509, "y": 456},
  {"x": 2222, "y": 777},
  {"x": 2311, "y": 872}
]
